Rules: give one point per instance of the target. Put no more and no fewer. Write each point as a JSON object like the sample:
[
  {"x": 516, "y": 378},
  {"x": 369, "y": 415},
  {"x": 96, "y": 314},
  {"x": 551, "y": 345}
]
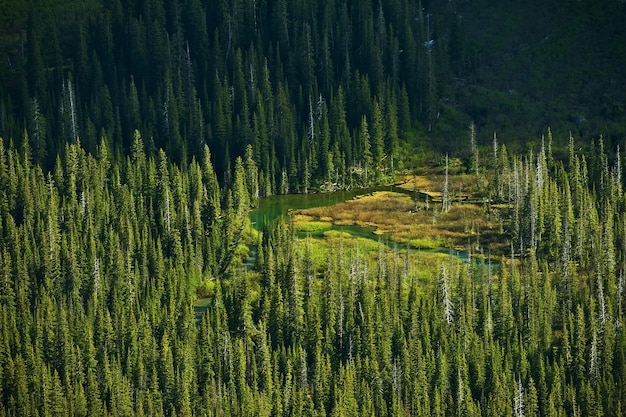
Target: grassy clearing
[
  {"x": 425, "y": 243},
  {"x": 336, "y": 243},
  {"x": 307, "y": 224},
  {"x": 333, "y": 243},
  {"x": 464, "y": 226},
  {"x": 352, "y": 242}
]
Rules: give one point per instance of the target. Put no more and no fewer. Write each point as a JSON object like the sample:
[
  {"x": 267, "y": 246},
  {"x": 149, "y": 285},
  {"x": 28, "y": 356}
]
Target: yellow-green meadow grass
[{"x": 395, "y": 215}]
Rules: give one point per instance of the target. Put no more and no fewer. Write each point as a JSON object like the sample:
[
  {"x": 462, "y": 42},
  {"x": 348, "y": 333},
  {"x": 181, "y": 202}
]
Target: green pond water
[{"x": 269, "y": 209}]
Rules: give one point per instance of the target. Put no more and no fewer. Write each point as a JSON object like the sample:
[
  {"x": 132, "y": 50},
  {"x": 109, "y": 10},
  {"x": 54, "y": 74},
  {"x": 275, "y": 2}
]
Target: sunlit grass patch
[
  {"x": 425, "y": 243},
  {"x": 311, "y": 226},
  {"x": 417, "y": 182},
  {"x": 336, "y": 242},
  {"x": 301, "y": 218},
  {"x": 461, "y": 186},
  {"x": 337, "y": 234},
  {"x": 317, "y": 249},
  {"x": 364, "y": 245}
]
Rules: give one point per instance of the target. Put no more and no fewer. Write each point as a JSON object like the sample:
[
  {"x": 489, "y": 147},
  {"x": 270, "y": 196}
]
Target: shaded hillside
[
  {"x": 546, "y": 64},
  {"x": 321, "y": 91}
]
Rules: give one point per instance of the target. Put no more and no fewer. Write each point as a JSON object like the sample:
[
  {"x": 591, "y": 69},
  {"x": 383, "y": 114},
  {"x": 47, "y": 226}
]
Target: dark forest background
[{"x": 294, "y": 79}]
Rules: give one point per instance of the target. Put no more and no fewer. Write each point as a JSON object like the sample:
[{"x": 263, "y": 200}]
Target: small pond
[{"x": 271, "y": 208}]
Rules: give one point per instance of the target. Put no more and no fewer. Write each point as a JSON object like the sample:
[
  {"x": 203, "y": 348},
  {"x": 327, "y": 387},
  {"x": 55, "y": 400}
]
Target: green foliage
[
  {"x": 139, "y": 135},
  {"x": 293, "y": 99},
  {"x": 109, "y": 296}
]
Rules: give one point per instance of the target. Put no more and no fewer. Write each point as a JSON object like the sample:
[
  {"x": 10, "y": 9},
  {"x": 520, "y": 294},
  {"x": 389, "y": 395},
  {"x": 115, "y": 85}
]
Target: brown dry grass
[
  {"x": 461, "y": 186},
  {"x": 419, "y": 182},
  {"x": 392, "y": 213}
]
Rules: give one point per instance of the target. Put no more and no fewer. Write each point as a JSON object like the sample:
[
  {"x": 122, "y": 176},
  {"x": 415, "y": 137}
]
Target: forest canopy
[
  {"x": 296, "y": 80},
  {"x": 138, "y": 137}
]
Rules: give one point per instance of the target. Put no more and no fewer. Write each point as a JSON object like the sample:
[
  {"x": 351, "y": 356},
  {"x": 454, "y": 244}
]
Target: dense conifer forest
[{"x": 137, "y": 136}]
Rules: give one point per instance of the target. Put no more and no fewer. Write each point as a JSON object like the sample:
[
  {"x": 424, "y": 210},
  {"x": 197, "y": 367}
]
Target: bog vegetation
[{"x": 135, "y": 138}]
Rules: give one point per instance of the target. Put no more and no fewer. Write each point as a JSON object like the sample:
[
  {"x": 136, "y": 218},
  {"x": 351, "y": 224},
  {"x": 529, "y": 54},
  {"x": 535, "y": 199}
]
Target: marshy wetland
[{"x": 406, "y": 215}]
